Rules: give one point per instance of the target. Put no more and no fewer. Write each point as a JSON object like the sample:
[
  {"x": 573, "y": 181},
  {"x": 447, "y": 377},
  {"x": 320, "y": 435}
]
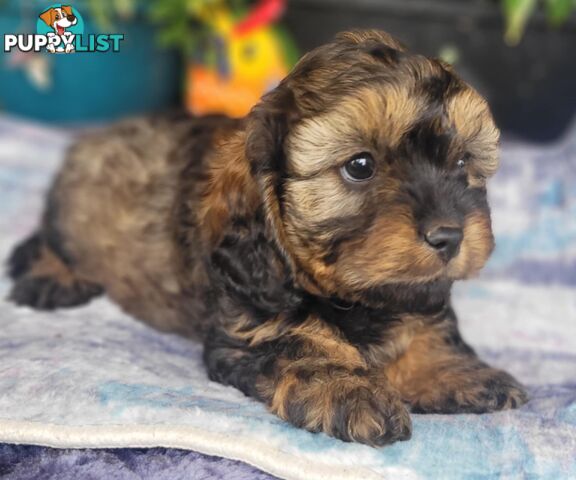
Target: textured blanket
[{"x": 94, "y": 378}]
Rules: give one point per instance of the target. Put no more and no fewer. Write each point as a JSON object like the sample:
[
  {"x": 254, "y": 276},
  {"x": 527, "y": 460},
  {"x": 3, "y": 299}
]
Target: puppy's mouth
[{"x": 60, "y": 30}]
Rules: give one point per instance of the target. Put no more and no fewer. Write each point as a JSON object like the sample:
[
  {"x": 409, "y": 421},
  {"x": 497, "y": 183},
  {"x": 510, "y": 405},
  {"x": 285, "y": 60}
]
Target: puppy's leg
[
  {"x": 43, "y": 280},
  {"x": 439, "y": 373},
  {"x": 24, "y": 256},
  {"x": 311, "y": 377}
]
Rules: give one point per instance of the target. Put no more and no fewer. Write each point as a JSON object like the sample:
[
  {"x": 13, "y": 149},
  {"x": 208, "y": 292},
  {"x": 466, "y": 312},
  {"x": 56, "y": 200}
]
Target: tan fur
[
  {"x": 430, "y": 375},
  {"x": 470, "y": 115},
  {"x": 325, "y": 382},
  {"x": 242, "y": 329},
  {"x": 476, "y": 247},
  {"x": 230, "y": 190},
  {"x": 370, "y": 120},
  {"x": 324, "y": 340},
  {"x": 116, "y": 195}
]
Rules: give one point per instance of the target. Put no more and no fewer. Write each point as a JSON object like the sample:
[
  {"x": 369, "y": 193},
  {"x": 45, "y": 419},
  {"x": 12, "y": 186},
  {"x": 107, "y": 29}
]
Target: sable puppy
[{"x": 311, "y": 245}]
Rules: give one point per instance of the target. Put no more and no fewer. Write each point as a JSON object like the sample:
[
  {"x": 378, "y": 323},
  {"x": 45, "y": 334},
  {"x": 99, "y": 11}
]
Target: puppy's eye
[
  {"x": 463, "y": 161},
  {"x": 359, "y": 168}
]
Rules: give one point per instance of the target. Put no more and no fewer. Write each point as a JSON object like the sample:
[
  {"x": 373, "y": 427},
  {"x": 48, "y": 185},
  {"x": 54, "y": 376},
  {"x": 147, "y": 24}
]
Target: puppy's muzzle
[{"x": 445, "y": 240}]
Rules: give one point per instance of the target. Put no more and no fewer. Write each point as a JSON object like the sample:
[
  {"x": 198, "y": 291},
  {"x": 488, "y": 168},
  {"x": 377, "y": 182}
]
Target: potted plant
[
  {"x": 227, "y": 53},
  {"x": 234, "y": 50},
  {"x": 93, "y": 86}
]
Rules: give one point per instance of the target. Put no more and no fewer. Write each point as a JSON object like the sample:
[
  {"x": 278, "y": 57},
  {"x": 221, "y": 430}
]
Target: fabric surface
[
  {"x": 27, "y": 462},
  {"x": 93, "y": 377}
]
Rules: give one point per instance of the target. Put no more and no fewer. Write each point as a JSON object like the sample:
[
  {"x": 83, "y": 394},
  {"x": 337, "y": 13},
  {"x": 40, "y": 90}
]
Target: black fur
[
  {"x": 45, "y": 293},
  {"x": 231, "y": 362},
  {"x": 248, "y": 267},
  {"x": 24, "y": 256}
]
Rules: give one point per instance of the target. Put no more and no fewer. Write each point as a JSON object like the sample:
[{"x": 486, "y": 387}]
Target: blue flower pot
[{"x": 89, "y": 87}]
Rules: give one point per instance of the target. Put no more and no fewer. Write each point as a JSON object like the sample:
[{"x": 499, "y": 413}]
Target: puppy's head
[
  {"x": 59, "y": 18},
  {"x": 374, "y": 162}
]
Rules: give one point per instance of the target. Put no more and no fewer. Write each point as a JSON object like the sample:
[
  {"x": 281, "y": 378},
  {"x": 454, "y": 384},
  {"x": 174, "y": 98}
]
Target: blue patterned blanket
[{"x": 94, "y": 378}]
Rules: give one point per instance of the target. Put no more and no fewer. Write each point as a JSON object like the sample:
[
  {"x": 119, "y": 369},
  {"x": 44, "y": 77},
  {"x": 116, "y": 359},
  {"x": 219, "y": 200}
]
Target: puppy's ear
[
  {"x": 48, "y": 17},
  {"x": 67, "y": 9},
  {"x": 267, "y": 126},
  {"x": 248, "y": 260}
]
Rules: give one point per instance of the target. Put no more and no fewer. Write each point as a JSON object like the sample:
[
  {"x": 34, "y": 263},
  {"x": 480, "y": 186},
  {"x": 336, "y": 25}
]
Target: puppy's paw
[
  {"x": 46, "y": 293},
  {"x": 483, "y": 390},
  {"x": 373, "y": 418},
  {"x": 346, "y": 407}
]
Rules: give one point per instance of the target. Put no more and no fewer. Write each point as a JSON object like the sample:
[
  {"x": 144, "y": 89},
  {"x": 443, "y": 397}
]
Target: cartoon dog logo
[{"x": 59, "y": 19}]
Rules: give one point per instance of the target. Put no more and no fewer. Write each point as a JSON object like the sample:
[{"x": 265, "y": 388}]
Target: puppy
[
  {"x": 311, "y": 246},
  {"x": 59, "y": 19}
]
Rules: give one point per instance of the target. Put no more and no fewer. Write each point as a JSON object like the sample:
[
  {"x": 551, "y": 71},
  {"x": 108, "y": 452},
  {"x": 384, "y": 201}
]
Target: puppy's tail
[{"x": 43, "y": 280}]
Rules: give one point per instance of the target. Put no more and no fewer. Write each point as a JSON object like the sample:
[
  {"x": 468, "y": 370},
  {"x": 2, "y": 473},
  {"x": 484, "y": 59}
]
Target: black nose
[{"x": 446, "y": 240}]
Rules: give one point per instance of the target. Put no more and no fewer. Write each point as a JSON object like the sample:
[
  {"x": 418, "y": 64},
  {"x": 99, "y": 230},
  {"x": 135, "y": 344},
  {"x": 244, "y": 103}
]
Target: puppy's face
[
  {"x": 59, "y": 18},
  {"x": 383, "y": 180}
]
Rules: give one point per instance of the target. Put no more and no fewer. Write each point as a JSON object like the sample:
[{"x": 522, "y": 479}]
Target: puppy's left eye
[
  {"x": 463, "y": 160},
  {"x": 359, "y": 168}
]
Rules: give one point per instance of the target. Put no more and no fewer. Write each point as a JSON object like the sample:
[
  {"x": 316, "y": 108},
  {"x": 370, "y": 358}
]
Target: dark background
[{"x": 531, "y": 87}]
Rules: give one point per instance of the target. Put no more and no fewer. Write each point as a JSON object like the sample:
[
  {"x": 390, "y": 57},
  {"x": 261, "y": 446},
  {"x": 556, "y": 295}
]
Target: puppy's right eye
[{"x": 359, "y": 168}]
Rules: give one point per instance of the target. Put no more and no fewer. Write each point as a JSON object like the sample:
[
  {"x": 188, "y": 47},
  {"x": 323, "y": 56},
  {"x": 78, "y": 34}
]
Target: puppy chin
[
  {"x": 407, "y": 297},
  {"x": 463, "y": 266}
]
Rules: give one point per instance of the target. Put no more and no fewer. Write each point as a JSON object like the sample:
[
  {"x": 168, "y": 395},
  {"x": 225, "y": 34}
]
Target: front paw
[
  {"x": 349, "y": 408},
  {"x": 481, "y": 390},
  {"x": 373, "y": 418}
]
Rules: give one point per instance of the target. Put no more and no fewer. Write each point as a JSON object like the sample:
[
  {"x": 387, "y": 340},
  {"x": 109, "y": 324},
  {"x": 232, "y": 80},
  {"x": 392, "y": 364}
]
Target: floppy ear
[
  {"x": 268, "y": 125},
  {"x": 250, "y": 262},
  {"x": 48, "y": 17},
  {"x": 67, "y": 9}
]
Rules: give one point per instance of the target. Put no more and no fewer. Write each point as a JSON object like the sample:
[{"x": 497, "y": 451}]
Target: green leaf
[
  {"x": 193, "y": 7},
  {"x": 558, "y": 11},
  {"x": 100, "y": 11},
  {"x": 516, "y": 14},
  {"x": 126, "y": 9}
]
